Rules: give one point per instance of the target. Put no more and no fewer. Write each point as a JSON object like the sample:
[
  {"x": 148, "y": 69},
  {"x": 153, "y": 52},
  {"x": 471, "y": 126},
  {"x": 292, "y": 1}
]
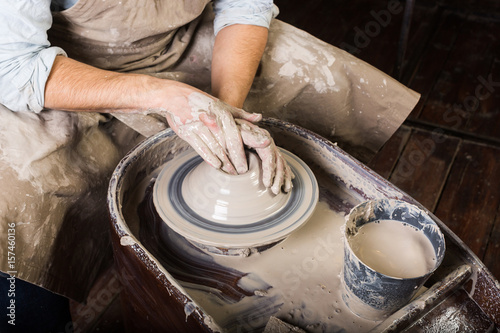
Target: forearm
[
  {"x": 236, "y": 56},
  {"x": 74, "y": 86}
]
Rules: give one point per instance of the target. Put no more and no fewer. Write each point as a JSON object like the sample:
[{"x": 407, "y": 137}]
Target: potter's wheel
[{"x": 215, "y": 210}]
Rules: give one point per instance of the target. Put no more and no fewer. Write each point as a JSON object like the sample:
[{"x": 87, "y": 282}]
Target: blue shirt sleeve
[
  {"x": 26, "y": 56},
  {"x": 251, "y": 12}
]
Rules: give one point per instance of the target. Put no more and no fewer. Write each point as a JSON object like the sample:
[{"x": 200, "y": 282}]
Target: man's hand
[
  {"x": 276, "y": 172},
  {"x": 208, "y": 125},
  {"x": 237, "y": 52},
  {"x": 218, "y": 132}
]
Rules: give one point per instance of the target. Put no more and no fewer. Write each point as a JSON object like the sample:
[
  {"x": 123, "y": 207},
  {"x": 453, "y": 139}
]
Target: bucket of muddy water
[{"x": 391, "y": 248}]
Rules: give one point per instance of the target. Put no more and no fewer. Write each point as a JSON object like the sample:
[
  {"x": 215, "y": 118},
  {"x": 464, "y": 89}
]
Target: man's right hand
[{"x": 208, "y": 125}]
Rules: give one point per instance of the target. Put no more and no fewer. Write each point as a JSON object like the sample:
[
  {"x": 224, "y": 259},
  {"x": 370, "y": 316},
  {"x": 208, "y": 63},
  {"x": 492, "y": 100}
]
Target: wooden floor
[{"x": 447, "y": 153}]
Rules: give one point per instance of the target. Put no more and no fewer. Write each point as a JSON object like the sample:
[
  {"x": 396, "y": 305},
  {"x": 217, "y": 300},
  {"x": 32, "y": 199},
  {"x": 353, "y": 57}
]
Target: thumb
[
  {"x": 237, "y": 112},
  {"x": 252, "y": 135}
]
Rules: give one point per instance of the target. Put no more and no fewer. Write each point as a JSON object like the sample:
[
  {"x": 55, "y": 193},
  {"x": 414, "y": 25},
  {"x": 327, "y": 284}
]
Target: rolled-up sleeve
[
  {"x": 26, "y": 57},
  {"x": 252, "y": 12}
]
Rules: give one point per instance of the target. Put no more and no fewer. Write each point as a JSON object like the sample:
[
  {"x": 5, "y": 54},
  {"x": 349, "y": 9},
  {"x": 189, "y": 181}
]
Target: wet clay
[
  {"x": 235, "y": 212},
  {"x": 394, "y": 248},
  {"x": 297, "y": 280}
]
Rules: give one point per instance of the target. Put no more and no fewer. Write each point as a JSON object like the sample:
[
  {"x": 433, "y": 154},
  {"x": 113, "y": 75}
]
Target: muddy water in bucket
[{"x": 390, "y": 249}]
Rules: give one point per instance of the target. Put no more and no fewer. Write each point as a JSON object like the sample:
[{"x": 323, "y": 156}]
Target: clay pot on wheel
[{"x": 150, "y": 269}]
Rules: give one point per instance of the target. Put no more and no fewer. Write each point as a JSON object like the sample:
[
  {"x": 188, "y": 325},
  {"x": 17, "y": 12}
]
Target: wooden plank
[
  {"x": 384, "y": 161},
  {"x": 482, "y": 104},
  {"x": 452, "y": 101},
  {"x": 470, "y": 199},
  {"x": 425, "y": 18},
  {"x": 368, "y": 29},
  {"x": 432, "y": 61},
  {"x": 423, "y": 166},
  {"x": 486, "y": 120},
  {"x": 374, "y": 33},
  {"x": 485, "y": 7}
]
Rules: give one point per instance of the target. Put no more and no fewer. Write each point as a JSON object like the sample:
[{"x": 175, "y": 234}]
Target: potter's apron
[
  {"x": 54, "y": 171},
  {"x": 127, "y": 35},
  {"x": 55, "y": 166}
]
